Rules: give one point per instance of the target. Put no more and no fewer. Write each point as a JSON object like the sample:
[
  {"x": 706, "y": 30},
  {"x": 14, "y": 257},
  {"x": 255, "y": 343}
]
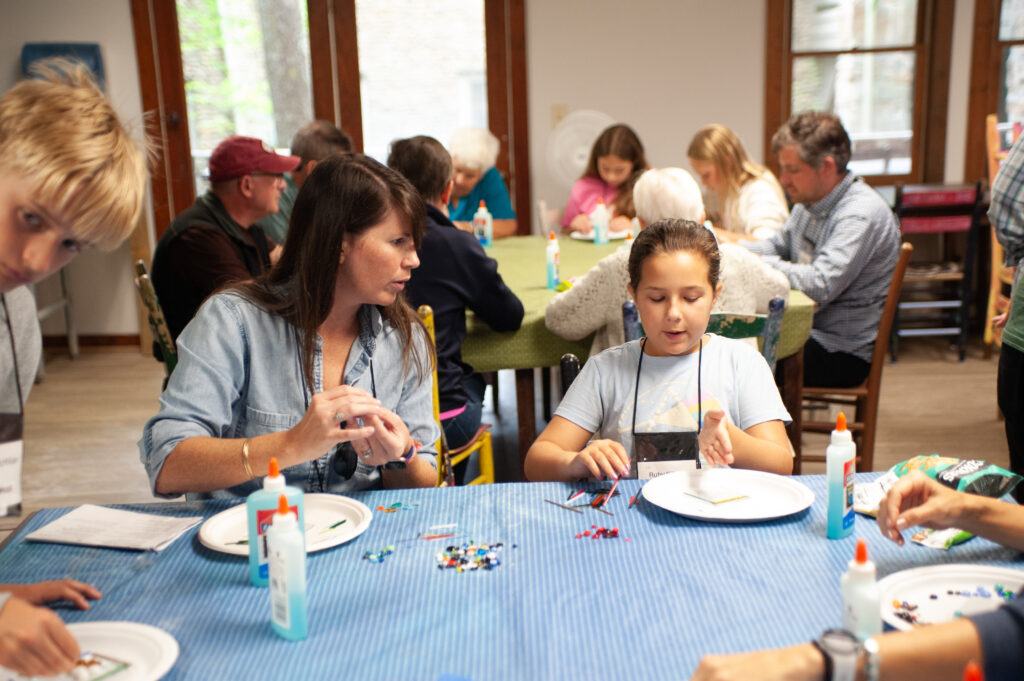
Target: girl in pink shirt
[{"x": 616, "y": 162}]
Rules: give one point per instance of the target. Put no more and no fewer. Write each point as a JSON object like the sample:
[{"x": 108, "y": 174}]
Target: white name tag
[
  {"x": 10, "y": 477},
  {"x": 645, "y": 470}
]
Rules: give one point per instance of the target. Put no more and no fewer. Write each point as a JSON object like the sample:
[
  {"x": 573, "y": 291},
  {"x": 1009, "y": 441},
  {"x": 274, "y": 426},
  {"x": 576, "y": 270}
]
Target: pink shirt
[{"x": 584, "y": 195}]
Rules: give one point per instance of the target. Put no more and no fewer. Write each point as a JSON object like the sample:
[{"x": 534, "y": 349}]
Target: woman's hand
[
  {"x": 34, "y": 641},
  {"x": 581, "y": 223},
  {"x": 320, "y": 428},
  {"x": 42, "y": 593},
  {"x": 714, "y": 441},
  {"x": 601, "y": 458},
  {"x": 914, "y": 500},
  {"x": 390, "y": 440}
]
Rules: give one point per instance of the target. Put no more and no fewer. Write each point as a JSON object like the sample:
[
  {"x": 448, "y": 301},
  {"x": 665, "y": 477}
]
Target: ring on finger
[{"x": 339, "y": 416}]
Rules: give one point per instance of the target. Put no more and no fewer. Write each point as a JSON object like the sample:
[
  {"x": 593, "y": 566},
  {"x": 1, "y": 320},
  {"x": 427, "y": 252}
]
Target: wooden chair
[
  {"x": 481, "y": 441},
  {"x": 1001, "y": 276},
  {"x": 157, "y": 324},
  {"x": 864, "y": 398},
  {"x": 937, "y": 296},
  {"x": 763, "y": 327}
]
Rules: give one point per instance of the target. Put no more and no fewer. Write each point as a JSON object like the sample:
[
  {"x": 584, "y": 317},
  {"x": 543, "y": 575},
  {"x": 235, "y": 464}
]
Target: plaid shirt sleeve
[{"x": 1006, "y": 209}]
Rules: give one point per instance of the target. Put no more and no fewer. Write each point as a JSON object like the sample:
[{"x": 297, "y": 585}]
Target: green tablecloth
[{"x": 522, "y": 265}]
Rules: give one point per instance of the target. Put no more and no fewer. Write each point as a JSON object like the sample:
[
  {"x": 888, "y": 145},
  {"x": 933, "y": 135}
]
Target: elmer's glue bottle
[
  {"x": 260, "y": 507},
  {"x": 287, "y": 574},
  {"x": 599, "y": 219},
  {"x": 840, "y": 460},
  {"x": 862, "y": 615},
  {"x": 483, "y": 226},
  {"x": 551, "y": 253}
]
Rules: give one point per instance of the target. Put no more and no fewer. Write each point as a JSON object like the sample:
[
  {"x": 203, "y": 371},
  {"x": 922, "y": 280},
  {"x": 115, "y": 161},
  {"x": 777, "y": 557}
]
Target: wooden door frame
[{"x": 336, "y": 96}]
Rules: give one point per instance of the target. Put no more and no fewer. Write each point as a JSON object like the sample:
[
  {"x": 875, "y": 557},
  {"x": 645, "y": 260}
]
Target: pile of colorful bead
[
  {"x": 470, "y": 556},
  {"x": 379, "y": 556},
  {"x": 600, "y": 533}
]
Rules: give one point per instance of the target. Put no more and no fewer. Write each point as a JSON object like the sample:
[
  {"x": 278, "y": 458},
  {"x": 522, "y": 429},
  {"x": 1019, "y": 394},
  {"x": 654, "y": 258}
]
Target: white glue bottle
[
  {"x": 483, "y": 226},
  {"x": 551, "y": 254},
  {"x": 260, "y": 507},
  {"x": 599, "y": 219},
  {"x": 287, "y": 574},
  {"x": 840, "y": 462},
  {"x": 862, "y": 615}
]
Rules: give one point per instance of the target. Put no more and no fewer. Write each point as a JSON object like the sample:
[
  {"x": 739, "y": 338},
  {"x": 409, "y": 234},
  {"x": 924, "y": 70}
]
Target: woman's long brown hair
[{"x": 345, "y": 195}]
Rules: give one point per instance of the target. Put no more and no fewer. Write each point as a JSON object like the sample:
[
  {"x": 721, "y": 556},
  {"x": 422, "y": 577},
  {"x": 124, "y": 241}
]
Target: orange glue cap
[
  {"x": 275, "y": 470},
  {"x": 862, "y": 551},
  {"x": 972, "y": 672},
  {"x": 282, "y": 505},
  {"x": 551, "y": 236},
  {"x": 841, "y": 422}
]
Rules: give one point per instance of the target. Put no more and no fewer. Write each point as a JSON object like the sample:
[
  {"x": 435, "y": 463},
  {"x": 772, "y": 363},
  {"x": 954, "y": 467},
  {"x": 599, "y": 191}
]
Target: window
[
  {"x": 265, "y": 67},
  {"x": 868, "y": 62},
  {"x": 247, "y": 72},
  {"x": 1010, "y": 90}
]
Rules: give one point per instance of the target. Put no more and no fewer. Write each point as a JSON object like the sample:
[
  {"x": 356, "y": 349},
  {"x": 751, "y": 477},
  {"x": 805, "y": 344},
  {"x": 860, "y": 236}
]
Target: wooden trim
[
  {"x": 520, "y": 161},
  {"x": 96, "y": 340},
  {"x": 173, "y": 109},
  {"x": 983, "y": 96},
  {"x": 145, "y": 54},
  {"x": 938, "y": 47},
  {"x": 323, "y": 69},
  {"x": 777, "y": 86},
  {"x": 505, "y": 28},
  {"x": 858, "y": 50},
  {"x": 346, "y": 57}
]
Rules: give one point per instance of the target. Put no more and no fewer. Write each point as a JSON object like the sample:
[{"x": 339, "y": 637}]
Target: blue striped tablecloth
[{"x": 556, "y": 608}]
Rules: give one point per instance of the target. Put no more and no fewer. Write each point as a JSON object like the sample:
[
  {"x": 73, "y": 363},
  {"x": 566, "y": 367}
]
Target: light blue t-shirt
[
  {"x": 491, "y": 190},
  {"x": 734, "y": 378}
]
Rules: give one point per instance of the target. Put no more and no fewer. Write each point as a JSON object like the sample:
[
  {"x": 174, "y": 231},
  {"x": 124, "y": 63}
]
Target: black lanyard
[
  {"x": 636, "y": 390},
  {"x": 345, "y": 457},
  {"x": 14, "y": 354}
]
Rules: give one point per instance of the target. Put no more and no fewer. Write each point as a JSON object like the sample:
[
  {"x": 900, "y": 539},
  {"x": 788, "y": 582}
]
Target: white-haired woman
[
  {"x": 474, "y": 151},
  {"x": 594, "y": 303}
]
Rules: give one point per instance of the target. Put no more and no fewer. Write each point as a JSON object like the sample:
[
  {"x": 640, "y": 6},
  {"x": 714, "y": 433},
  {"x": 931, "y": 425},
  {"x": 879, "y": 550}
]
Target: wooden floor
[{"x": 84, "y": 420}]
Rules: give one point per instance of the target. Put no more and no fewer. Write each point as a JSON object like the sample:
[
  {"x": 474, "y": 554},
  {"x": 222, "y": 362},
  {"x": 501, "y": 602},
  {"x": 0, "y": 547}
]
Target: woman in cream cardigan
[{"x": 594, "y": 303}]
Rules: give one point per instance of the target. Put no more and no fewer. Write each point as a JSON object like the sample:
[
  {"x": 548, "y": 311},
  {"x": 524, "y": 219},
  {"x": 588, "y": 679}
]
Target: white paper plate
[
  {"x": 612, "y": 236},
  {"x": 767, "y": 495},
  {"x": 918, "y": 585},
  {"x": 223, "y": 531},
  {"x": 149, "y": 652}
]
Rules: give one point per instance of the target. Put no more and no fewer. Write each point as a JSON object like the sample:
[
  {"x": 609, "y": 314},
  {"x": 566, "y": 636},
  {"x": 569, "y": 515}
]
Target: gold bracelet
[{"x": 245, "y": 460}]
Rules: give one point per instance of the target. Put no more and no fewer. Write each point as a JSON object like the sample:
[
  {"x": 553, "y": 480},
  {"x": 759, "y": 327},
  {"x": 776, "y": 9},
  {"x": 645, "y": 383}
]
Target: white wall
[
  {"x": 101, "y": 283},
  {"x": 664, "y": 68}
]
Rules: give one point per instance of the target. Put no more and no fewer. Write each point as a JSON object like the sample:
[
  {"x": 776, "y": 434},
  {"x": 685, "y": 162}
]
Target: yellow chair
[{"x": 481, "y": 441}]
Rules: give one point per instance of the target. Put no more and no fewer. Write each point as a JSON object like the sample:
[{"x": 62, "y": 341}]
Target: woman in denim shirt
[{"x": 320, "y": 362}]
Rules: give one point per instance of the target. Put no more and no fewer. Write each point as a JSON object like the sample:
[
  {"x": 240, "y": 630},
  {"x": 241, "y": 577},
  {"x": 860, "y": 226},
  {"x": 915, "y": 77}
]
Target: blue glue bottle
[
  {"x": 840, "y": 461},
  {"x": 551, "y": 256},
  {"x": 287, "y": 574},
  {"x": 260, "y": 507}
]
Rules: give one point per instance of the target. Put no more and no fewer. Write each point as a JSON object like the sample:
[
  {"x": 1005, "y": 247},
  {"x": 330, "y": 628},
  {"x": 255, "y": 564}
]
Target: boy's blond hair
[{"x": 59, "y": 132}]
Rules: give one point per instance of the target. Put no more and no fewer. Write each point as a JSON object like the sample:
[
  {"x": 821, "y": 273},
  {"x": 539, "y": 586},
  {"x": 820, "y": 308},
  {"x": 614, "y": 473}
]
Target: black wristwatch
[{"x": 841, "y": 649}]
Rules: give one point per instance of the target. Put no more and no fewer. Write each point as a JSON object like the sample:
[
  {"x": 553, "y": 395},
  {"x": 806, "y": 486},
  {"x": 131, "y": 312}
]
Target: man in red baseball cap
[{"x": 216, "y": 241}]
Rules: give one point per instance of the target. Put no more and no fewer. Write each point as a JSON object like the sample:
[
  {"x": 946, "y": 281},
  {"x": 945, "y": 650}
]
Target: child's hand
[
  {"x": 714, "y": 440},
  {"x": 581, "y": 223},
  {"x": 620, "y": 223},
  {"x": 601, "y": 458}
]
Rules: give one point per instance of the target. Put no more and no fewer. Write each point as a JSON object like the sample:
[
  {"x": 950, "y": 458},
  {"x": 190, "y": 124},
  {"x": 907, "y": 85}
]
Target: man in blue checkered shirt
[{"x": 839, "y": 246}]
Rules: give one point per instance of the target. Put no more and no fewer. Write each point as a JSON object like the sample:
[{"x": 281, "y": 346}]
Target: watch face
[{"x": 840, "y": 642}]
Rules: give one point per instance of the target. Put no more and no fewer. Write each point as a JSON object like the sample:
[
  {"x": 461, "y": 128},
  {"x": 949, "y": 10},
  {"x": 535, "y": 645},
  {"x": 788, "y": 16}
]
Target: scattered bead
[{"x": 379, "y": 556}]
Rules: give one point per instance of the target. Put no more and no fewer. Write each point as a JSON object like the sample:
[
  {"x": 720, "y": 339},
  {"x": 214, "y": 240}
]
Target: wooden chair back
[{"x": 1001, "y": 276}]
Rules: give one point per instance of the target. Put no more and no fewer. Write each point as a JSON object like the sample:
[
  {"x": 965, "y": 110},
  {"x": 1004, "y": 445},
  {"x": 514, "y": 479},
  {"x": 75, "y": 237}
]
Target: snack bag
[{"x": 973, "y": 476}]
